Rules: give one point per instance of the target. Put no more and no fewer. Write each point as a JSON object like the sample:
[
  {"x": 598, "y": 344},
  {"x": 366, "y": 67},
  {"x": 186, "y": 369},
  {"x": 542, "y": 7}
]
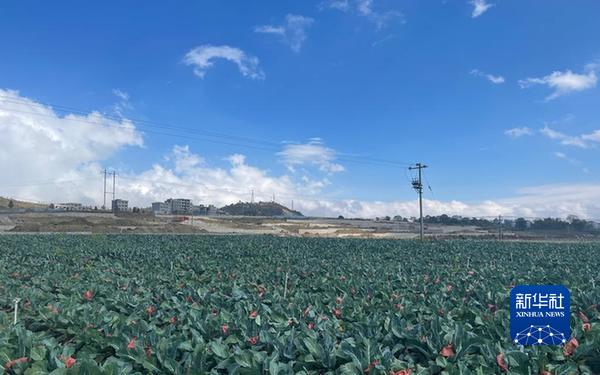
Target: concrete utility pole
[
  {"x": 500, "y": 234},
  {"x": 114, "y": 182},
  {"x": 252, "y": 197},
  {"x": 418, "y": 186},
  {"x": 104, "y": 194}
]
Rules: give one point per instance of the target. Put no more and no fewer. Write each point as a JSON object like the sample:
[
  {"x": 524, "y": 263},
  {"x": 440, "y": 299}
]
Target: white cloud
[
  {"x": 594, "y": 136},
  {"x": 292, "y": 33},
  {"x": 205, "y": 184},
  {"x": 565, "y": 82},
  {"x": 558, "y": 200},
  {"x": 561, "y": 155},
  {"x": 570, "y": 160},
  {"x": 121, "y": 94},
  {"x": 380, "y": 19},
  {"x": 55, "y": 158},
  {"x": 203, "y": 57},
  {"x": 366, "y": 9},
  {"x": 123, "y": 104},
  {"x": 490, "y": 77},
  {"x": 341, "y": 5},
  {"x": 312, "y": 153},
  {"x": 183, "y": 159},
  {"x": 479, "y": 7},
  {"x": 38, "y": 144},
  {"x": 518, "y": 132},
  {"x": 582, "y": 141},
  {"x": 269, "y": 29}
]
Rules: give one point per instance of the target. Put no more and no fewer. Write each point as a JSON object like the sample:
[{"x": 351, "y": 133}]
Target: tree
[
  {"x": 11, "y": 204},
  {"x": 51, "y": 206},
  {"x": 520, "y": 224}
]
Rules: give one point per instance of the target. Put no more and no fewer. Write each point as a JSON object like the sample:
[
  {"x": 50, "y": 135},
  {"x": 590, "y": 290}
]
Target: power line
[
  {"x": 51, "y": 182},
  {"x": 133, "y": 120},
  {"x": 349, "y": 159},
  {"x": 254, "y": 143}
]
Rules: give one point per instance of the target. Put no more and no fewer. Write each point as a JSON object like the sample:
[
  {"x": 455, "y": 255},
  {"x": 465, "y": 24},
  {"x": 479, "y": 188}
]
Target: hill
[
  {"x": 259, "y": 209},
  {"x": 4, "y": 203}
]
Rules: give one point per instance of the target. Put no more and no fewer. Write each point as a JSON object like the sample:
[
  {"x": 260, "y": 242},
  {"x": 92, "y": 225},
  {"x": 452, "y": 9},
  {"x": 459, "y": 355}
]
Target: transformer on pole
[{"x": 417, "y": 184}]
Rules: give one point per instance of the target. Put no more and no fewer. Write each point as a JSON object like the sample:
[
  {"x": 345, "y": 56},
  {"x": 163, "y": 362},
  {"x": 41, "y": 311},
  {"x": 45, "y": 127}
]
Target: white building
[
  {"x": 179, "y": 206},
  {"x": 160, "y": 208},
  {"x": 203, "y": 210},
  {"x": 119, "y": 205},
  {"x": 172, "y": 206},
  {"x": 69, "y": 206}
]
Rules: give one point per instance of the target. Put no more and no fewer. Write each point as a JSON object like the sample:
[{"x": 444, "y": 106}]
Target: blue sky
[{"x": 442, "y": 82}]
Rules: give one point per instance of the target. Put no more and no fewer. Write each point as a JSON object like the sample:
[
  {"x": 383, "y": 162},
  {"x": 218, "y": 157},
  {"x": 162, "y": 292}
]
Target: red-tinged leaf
[
  {"x": 502, "y": 362},
  {"x": 447, "y": 351},
  {"x": 69, "y": 362}
]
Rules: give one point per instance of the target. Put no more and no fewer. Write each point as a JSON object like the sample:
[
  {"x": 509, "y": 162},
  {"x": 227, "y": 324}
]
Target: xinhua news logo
[{"x": 540, "y": 315}]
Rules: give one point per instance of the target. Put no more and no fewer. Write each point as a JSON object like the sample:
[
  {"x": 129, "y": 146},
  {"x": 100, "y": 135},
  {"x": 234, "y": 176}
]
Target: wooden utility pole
[{"x": 418, "y": 186}]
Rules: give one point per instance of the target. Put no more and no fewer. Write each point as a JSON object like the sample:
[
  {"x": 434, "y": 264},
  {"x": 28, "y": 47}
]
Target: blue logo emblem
[{"x": 540, "y": 315}]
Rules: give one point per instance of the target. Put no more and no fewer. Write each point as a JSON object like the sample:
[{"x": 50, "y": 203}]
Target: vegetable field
[{"x": 264, "y": 305}]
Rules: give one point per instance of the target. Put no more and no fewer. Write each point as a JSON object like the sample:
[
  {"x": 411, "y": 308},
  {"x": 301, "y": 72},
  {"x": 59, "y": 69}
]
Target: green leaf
[
  {"x": 221, "y": 350},
  {"x": 38, "y": 353}
]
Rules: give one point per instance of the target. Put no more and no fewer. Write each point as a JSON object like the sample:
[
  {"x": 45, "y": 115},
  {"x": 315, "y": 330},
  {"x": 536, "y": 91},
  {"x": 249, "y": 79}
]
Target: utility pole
[
  {"x": 114, "y": 183},
  {"x": 500, "y": 234},
  {"x": 418, "y": 186},
  {"x": 104, "y": 195},
  {"x": 252, "y": 197},
  {"x": 273, "y": 197}
]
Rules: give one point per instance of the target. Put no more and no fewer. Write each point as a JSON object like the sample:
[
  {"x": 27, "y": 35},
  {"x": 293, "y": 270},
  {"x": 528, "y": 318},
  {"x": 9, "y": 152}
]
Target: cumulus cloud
[
  {"x": 204, "y": 56},
  {"x": 559, "y": 200},
  {"x": 220, "y": 186},
  {"x": 293, "y": 32},
  {"x": 565, "y": 82},
  {"x": 51, "y": 157},
  {"x": 479, "y": 7},
  {"x": 312, "y": 153},
  {"x": 187, "y": 175},
  {"x": 518, "y": 132},
  {"x": 366, "y": 9},
  {"x": 490, "y": 77},
  {"x": 39, "y": 144}
]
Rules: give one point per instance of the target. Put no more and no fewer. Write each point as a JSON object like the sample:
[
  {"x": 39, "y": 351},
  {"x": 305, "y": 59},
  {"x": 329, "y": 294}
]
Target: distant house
[
  {"x": 203, "y": 210},
  {"x": 160, "y": 208},
  {"x": 179, "y": 206},
  {"x": 120, "y": 205},
  {"x": 69, "y": 206},
  {"x": 172, "y": 206}
]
